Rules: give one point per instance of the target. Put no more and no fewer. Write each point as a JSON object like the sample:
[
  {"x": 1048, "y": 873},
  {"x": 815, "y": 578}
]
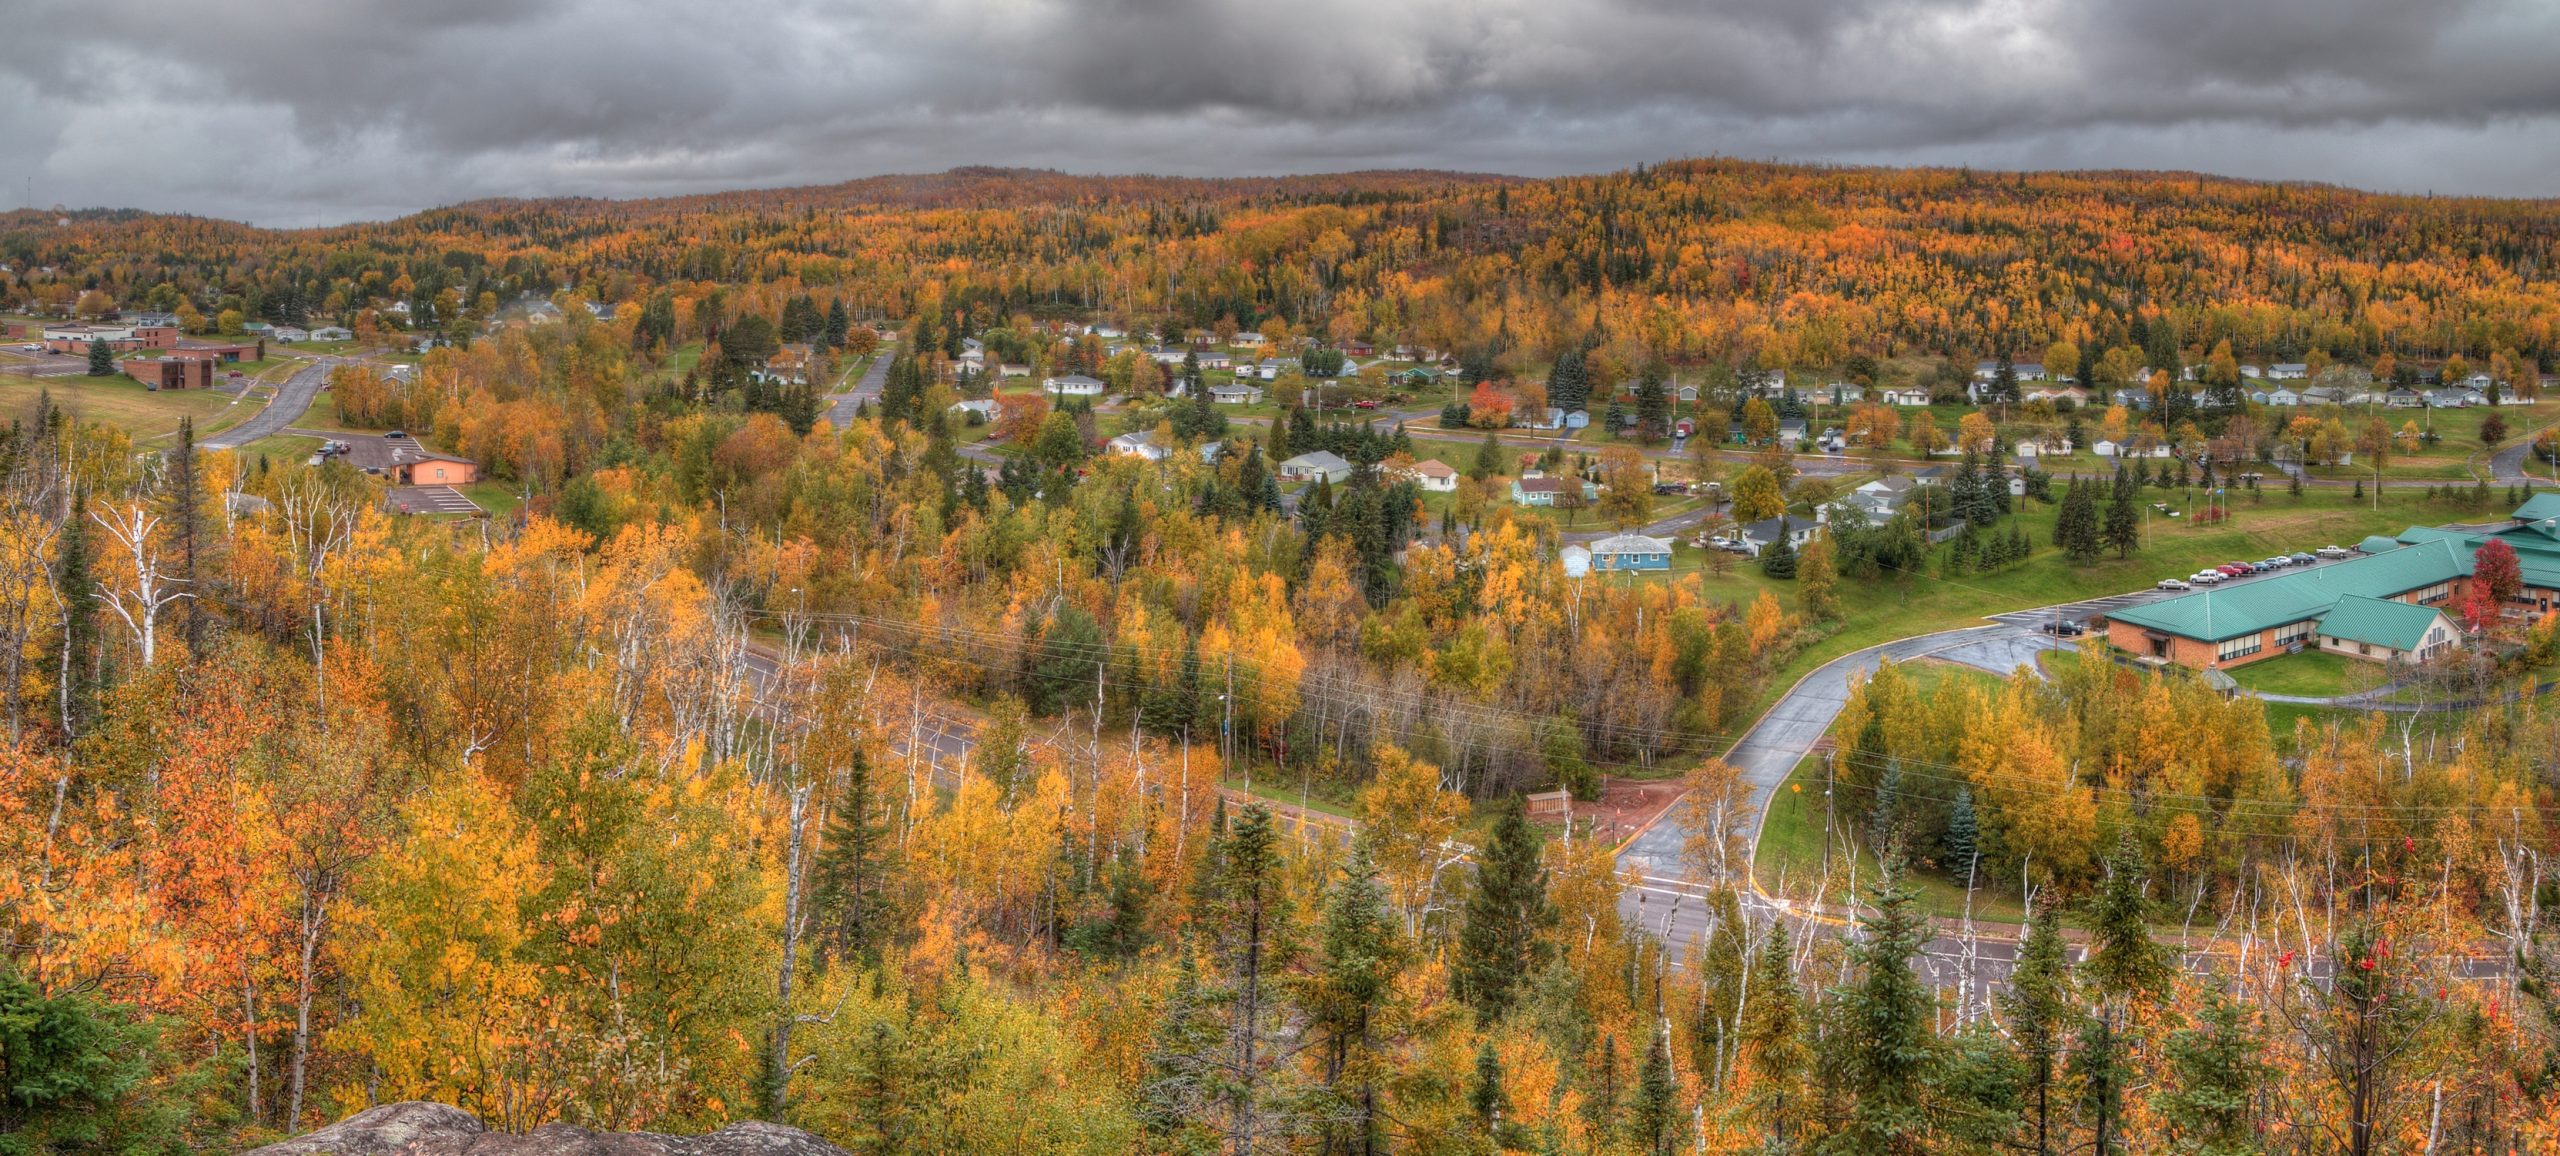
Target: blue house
[{"x": 1631, "y": 552}]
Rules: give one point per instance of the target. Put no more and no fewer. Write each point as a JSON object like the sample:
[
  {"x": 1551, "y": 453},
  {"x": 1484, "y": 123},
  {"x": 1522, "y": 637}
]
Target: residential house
[
  {"x": 1247, "y": 338},
  {"x": 2059, "y": 395},
  {"x": 1136, "y": 444},
  {"x": 1761, "y": 535},
  {"x": 1271, "y": 368},
  {"x": 2252, "y": 372},
  {"x": 1432, "y": 475},
  {"x": 2288, "y": 371},
  {"x": 2455, "y": 398},
  {"x": 332, "y": 333},
  {"x": 789, "y": 365},
  {"x": 2323, "y": 395},
  {"x": 1012, "y": 369},
  {"x": 1236, "y": 393},
  {"x": 1212, "y": 359},
  {"x": 1631, "y": 552},
  {"x": 1316, "y": 465},
  {"x": 2403, "y": 399},
  {"x": 1791, "y": 432},
  {"x": 2109, "y": 448},
  {"x": 1167, "y": 355},
  {"x": 1073, "y": 385},
  {"x": 984, "y": 407},
  {"x": 2280, "y": 395},
  {"x": 1903, "y": 396},
  {"x": 1543, "y": 490},
  {"x": 290, "y": 333}
]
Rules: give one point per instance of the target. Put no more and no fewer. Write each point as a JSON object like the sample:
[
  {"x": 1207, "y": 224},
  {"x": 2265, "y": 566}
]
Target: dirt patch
[{"x": 1625, "y": 806}]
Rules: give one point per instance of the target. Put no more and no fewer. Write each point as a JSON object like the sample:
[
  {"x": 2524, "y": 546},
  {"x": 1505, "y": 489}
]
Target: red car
[
  {"x": 2234, "y": 569},
  {"x": 1364, "y": 403}
]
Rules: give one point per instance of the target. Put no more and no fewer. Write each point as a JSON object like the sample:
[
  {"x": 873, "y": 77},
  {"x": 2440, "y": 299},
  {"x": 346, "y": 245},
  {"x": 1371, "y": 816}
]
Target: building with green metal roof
[
  {"x": 2423, "y": 568},
  {"x": 2384, "y": 630}
]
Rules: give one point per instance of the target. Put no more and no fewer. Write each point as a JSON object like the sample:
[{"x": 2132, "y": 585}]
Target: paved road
[
  {"x": 849, "y": 403},
  {"x": 292, "y": 398},
  {"x": 2508, "y": 466}
]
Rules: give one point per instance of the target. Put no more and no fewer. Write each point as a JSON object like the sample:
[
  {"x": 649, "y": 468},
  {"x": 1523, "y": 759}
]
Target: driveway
[{"x": 292, "y": 398}]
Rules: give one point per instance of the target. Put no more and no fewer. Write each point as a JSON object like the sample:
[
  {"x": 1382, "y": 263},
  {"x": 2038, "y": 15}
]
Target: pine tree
[
  {"x": 1485, "y": 1099},
  {"x": 2214, "y": 1075},
  {"x": 2004, "y": 379},
  {"x": 1247, "y": 918},
  {"x": 1499, "y": 945},
  {"x": 2123, "y": 965},
  {"x": 1488, "y": 461},
  {"x": 1569, "y": 386},
  {"x": 1653, "y": 1121},
  {"x": 2123, "y": 531},
  {"x": 76, "y": 593},
  {"x": 1773, "y": 1028},
  {"x": 1879, "y": 1052},
  {"x": 185, "y": 521},
  {"x": 102, "y": 362},
  {"x": 1653, "y": 406},
  {"x": 1177, "y": 1097},
  {"x": 1778, "y": 558},
  {"x": 2040, "y": 1010},
  {"x": 1715, "y": 1027},
  {"x": 849, "y": 881},
  {"x": 1963, "y": 839},
  {"x": 1348, "y": 1002},
  {"x": 1600, "y": 1096}
]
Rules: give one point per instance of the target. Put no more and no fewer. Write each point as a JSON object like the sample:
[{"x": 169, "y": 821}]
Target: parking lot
[
  {"x": 2086, "y": 609},
  {"x": 430, "y": 500}
]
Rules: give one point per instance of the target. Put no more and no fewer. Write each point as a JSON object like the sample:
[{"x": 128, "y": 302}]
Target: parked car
[
  {"x": 2169, "y": 584},
  {"x": 2336, "y": 552},
  {"x": 2233, "y": 569},
  {"x": 394, "y": 435},
  {"x": 1364, "y": 403},
  {"x": 2066, "y": 628},
  {"x": 2206, "y": 577},
  {"x": 2280, "y": 561},
  {"x": 1671, "y": 487},
  {"x": 2302, "y": 559}
]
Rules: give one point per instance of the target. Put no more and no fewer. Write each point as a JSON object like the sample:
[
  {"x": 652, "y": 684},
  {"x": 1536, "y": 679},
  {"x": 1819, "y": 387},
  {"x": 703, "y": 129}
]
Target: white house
[
  {"x": 984, "y": 407},
  {"x": 1432, "y": 475},
  {"x": 1324, "y": 464},
  {"x": 1236, "y": 393},
  {"x": 1137, "y": 444},
  {"x": 1248, "y": 337},
  {"x": 1012, "y": 369},
  {"x": 332, "y": 333},
  {"x": 2282, "y": 395},
  {"x": 2288, "y": 371},
  {"x": 290, "y": 333},
  {"x": 1073, "y": 385}
]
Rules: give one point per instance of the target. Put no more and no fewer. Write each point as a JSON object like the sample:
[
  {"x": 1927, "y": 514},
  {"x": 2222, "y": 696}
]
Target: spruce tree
[
  {"x": 1485, "y": 1099},
  {"x": 2123, "y": 532},
  {"x": 1181, "y": 1088},
  {"x": 2124, "y": 965},
  {"x": 1722, "y": 965},
  {"x": 102, "y": 362},
  {"x": 75, "y": 663},
  {"x": 849, "y": 880},
  {"x": 1880, "y": 1053},
  {"x": 1963, "y": 839},
  {"x": 1488, "y": 461},
  {"x": 2215, "y": 1072},
  {"x": 1778, "y": 558},
  {"x": 185, "y": 520},
  {"x": 1653, "y": 1122},
  {"x": 1498, "y": 945},
  {"x": 1248, "y": 920},
  {"x": 1773, "y": 1028},
  {"x": 2040, "y": 1011},
  {"x": 1347, "y": 1002},
  {"x": 2075, "y": 526}
]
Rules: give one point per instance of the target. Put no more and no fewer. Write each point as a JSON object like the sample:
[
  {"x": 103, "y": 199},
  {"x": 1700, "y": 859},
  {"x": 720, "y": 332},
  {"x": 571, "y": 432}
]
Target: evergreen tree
[
  {"x": 1715, "y": 1027},
  {"x": 1773, "y": 1029},
  {"x": 1600, "y": 1094},
  {"x": 1778, "y": 558},
  {"x": 2123, "y": 531},
  {"x": 2123, "y": 965},
  {"x": 1653, "y": 406},
  {"x": 2004, "y": 379},
  {"x": 1488, "y": 461},
  {"x": 2040, "y": 1010},
  {"x": 184, "y": 495},
  {"x": 1817, "y": 581},
  {"x": 1963, "y": 839},
  {"x": 1569, "y": 386},
  {"x": 849, "y": 880},
  {"x": 1178, "y": 1096},
  {"x": 76, "y": 663},
  {"x": 838, "y": 326},
  {"x": 1485, "y": 1100},
  {"x": 1499, "y": 944},
  {"x": 1247, "y": 920},
  {"x": 1348, "y": 1002},
  {"x": 2214, "y": 1075},
  {"x": 1653, "y": 1122},
  {"x": 79, "y": 1077},
  {"x": 102, "y": 361},
  {"x": 1879, "y": 1053},
  {"x": 2075, "y": 525}
]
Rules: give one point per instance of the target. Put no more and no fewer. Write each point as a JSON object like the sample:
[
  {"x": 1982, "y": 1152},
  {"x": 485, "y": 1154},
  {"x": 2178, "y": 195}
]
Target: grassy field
[
  {"x": 120, "y": 400},
  {"x": 500, "y": 499},
  {"x": 2308, "y": 674}
]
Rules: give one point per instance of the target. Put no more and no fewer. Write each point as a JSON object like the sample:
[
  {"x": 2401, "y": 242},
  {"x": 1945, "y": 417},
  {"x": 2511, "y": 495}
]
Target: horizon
[
  {"x": 1313, "y": 175},
  {"x": 344, "y": 114}
]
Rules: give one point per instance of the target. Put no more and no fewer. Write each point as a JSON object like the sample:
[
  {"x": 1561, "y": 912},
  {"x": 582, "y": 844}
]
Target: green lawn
[
  {"x": 500, "y": 499},
  {"x": 2310, "y": 673},
  {"x": 120, "y": 400},
  {"x": 1789, "y": 860}
]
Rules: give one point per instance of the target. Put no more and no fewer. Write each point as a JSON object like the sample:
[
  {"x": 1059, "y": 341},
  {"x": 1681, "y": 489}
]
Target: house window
[
  {"x": 2241, "y": 647},
  {"x": 2433, "y": 594},
  {"x": 2291, "y": 633}
]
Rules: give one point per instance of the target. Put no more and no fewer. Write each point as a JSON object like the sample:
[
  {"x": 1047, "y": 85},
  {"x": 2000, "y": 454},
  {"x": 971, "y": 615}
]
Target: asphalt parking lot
[{"x": 430, "y": 500}]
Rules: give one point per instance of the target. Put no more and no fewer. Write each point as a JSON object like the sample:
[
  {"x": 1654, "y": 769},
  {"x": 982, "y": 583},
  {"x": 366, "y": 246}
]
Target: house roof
[
  {"x": 2379, "y": 621},
  {"x": 1076, "y": 379},
  {"x": 1631, "y": 544},
  {"x": 1539, "y": 485},
  {"x": 1318, "y": 460},
  {"x": 2217, "y": 614},
  {"x": 1434, "y": 468},
  {"x": 1767, "y": 529}
]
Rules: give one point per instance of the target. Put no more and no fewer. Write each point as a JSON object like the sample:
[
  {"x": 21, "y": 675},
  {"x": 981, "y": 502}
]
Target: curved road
[{"x": 291, "y": 399}]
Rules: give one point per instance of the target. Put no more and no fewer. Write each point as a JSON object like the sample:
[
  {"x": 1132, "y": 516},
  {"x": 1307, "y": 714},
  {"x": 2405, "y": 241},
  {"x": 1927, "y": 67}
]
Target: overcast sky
[{"x": 298, "y": 112}]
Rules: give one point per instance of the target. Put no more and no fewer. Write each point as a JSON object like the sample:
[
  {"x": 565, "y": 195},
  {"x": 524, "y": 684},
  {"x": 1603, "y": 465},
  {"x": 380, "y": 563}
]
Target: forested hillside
[{"x": 853, "y": 774}]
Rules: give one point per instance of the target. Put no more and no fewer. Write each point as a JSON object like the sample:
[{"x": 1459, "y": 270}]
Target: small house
[
  {"x": 290, "y": 333},
  {"x": 1433, "y": 475},
  {"x": 1324, "y": 465},
  {"x": 1236, "y": 393},
  {"x": 1072, "y": 385},
  {"x": 1761, "y": 535},
  {"x": 2281, "y": 395},
  {"x": 2288, "y": 371},
  {"x": 332, "y": 333},
  {"x": 1631, "y": 552},
  {"x": 1543, "y": 490},
  {"x": 1136, "y": 444}
]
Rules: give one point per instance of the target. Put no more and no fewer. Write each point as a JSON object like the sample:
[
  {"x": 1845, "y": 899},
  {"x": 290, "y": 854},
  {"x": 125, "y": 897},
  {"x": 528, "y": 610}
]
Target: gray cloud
[{"x": 308, "y": 112}]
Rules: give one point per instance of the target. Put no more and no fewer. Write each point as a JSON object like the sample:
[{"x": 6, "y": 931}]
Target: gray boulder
[{"x": 422, "y": 1129}]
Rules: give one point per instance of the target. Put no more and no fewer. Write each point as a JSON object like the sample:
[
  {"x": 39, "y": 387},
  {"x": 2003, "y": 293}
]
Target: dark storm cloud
[{"x": 312, "y": 111}]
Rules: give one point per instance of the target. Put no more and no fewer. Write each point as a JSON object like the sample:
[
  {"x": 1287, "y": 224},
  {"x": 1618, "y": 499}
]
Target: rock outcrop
[{"x": 422, "y": 1129}]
